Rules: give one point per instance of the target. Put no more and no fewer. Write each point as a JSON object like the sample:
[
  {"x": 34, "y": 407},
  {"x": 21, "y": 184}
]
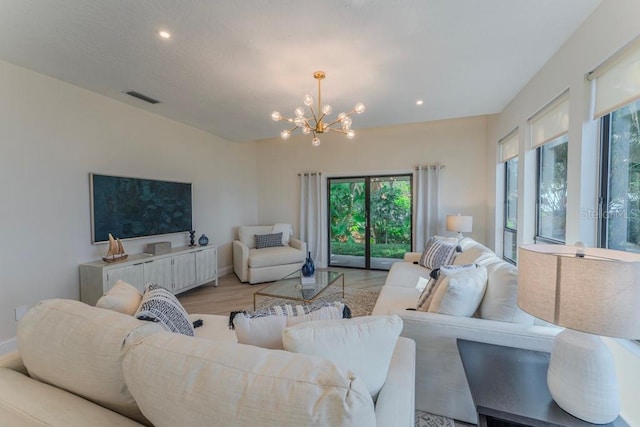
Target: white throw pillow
[
  {"x": 122, "y": 297},
  {"x": 437, "y": 277},
  {"x": 265, "y": 329},
  {"x": 500, "y": 300},
  {"x": 363, "y": 345},
  {"x": 460, "y": 293}
]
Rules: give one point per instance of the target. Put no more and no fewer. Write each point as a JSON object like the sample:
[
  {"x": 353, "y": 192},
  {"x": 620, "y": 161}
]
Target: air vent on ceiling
[{"x": 142, "y": 97}]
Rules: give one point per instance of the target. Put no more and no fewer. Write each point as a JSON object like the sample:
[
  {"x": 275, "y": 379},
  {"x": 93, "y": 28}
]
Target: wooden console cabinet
[{"x": 179, "y": 270}]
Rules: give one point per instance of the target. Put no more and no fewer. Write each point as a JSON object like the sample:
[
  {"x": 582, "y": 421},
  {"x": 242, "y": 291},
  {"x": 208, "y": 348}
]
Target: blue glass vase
[
  {"x": 308, "y": 268},
  {"x": 203, "y": 240}
]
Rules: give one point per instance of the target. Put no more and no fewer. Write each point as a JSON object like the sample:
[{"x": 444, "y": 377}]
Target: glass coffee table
[{"x": 291, "y": 288}]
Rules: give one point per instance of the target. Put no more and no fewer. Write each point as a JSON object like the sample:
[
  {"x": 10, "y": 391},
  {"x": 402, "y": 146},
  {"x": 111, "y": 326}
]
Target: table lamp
[
  {"x": 590, "y": 292},
  {"x": 460, "y": 224}
]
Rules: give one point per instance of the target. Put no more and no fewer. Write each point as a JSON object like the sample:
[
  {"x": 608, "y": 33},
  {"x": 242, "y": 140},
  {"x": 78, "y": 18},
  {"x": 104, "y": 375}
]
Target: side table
[{"x": 509, "y": 387}]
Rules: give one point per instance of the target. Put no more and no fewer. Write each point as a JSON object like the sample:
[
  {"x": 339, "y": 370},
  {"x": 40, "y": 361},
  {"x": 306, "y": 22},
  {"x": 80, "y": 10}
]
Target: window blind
[
  {"x": 509, "y": 146},
  {"x": 550, "y": 122},
  {"x": 617, "y": 80}
]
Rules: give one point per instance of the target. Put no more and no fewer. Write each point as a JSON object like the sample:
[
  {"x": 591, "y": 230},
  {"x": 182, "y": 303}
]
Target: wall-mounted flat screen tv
[{"x": 135, "y": 207}]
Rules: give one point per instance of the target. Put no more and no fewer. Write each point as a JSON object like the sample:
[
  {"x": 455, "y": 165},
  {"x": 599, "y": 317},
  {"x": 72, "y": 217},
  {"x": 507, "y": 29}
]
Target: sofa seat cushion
[
  {"x": 26, "y": 402},
  {"x": 185, "y": 381},
  {"x": 79, "y": 348},
  {"x": 214, "y": 327},
  {"x": 406, "y": 274},
  {"x": 393, "y": 298},
  {"x": 280, "y": 255}
]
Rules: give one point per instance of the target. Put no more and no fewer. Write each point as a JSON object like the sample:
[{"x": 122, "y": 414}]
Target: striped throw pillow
[
  {"x": 437, "y": 253},
  {"x": 160, "y": 305}
]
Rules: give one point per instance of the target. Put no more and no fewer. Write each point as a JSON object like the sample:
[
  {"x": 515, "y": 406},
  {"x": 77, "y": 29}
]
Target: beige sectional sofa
[
  {"x": 441, "y": 385},
  {"x": 254, "y": 265},
  {"x": 86, "y": 366}
]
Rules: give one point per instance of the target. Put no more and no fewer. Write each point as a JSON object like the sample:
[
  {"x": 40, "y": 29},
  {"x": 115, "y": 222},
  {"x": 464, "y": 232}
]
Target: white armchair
[{"x": 266, "y": 264}]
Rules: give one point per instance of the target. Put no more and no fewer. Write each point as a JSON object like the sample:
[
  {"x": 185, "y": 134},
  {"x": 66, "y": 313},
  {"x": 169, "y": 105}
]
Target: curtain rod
[
  {"x": 433, "y": 166},
  {"x": 310, "y": 173}
]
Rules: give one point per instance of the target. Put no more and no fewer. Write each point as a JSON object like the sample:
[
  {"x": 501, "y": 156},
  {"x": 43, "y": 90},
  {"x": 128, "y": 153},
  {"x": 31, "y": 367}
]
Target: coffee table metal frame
[{"x": 290, "y": 287}]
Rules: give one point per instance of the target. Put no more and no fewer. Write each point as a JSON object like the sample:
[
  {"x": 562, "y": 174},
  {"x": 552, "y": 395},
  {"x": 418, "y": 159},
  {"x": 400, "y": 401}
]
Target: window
[
  {"x": 510, "y": 234},
  {"x": 620, "y": 187},
  {"x": 551, "y": 200}
]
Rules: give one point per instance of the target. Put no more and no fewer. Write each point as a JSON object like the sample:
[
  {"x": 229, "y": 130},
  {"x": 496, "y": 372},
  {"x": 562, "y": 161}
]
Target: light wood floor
[{"x": 232, "y": 295}]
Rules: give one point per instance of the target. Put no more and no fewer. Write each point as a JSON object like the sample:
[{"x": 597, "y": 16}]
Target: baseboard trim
[
  {"x": 225, "y": 270},
  {"x": 8, "y": 345}
]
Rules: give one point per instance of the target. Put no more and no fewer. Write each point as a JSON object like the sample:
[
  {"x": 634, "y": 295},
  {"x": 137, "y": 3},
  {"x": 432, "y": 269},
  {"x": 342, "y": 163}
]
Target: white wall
[
  {"x": 52, "y": 135},
  {"x": 458, "y": 144},
  {"x": 609, "y": 28}
]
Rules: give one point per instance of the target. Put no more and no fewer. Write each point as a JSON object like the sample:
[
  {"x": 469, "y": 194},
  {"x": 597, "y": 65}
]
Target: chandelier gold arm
[{"x": 318, "y": 118}]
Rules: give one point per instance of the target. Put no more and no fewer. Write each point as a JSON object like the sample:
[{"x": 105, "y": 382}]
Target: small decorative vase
[
  {"x": 192, "y": 238},
  {"x": 203, "y": 240},
  {"x": 308, "y": 268}
]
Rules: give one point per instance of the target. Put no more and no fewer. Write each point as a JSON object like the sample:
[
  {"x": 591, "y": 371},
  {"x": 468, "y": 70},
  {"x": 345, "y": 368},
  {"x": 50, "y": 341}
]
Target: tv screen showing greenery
[{"x": 136, "y": 207}]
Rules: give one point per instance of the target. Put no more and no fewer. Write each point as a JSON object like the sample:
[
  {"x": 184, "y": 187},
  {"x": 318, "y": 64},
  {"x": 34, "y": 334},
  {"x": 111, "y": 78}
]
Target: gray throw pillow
[{"x": 268, "y": 240}]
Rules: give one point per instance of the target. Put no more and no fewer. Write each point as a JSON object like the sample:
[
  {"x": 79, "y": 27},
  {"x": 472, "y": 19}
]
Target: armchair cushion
[{"x": 279, "y": 255}]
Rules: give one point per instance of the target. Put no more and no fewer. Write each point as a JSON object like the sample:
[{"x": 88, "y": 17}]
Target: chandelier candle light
[{"x": 315, "y": 123}]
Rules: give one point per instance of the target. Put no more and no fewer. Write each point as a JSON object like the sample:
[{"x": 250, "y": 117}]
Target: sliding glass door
[{"x": 369, "y": 220}]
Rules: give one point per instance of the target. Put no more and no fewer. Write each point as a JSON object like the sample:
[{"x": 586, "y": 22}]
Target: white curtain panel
[
  {"x": 426, "y": 198},
  {"x": 311, "y": 214}
]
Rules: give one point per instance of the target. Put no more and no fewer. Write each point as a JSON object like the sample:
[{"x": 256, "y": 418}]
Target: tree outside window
[{"x": 552, "y": 191}]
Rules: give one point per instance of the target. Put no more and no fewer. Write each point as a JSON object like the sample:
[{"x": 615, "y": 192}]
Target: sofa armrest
[
  {"x": 241, "y": 260},
  {"x": 424, "y": 328},
  {"x": 441, "y": 385},
  {"x": 396, "y": 401},
  {"x": 13, "y": 361},
  {"x": 298, "y": 244},
  {"x": 412, "y": 256}
]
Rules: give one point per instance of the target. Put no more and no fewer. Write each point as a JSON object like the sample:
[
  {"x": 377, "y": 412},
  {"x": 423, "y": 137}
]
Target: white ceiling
[{"x": 229, "y": 64}]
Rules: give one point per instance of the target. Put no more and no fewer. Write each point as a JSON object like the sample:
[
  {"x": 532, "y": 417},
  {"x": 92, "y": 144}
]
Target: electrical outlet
[{"x": 21, "y": 311}]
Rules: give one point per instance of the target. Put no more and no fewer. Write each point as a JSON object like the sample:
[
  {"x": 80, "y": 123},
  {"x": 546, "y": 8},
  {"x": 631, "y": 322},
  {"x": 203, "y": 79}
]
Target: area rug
[
  {"x": 360, "y": 301},
  {"x": 425, "y": 419}
]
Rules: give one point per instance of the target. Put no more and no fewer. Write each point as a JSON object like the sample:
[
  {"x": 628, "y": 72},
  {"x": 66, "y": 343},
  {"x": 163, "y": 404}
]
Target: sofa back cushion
[
  {"x": 474, "y": 253},
  {"x": 500, "y": 299},
  {"x": 80, "y": 348},
  {"x": 363, "y": 345},
  {"x": 185, "y": 381}
]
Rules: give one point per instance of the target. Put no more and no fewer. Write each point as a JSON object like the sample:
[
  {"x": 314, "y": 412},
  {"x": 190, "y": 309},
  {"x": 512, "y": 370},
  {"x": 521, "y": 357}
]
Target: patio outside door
[{"x": 369, "y": 220}]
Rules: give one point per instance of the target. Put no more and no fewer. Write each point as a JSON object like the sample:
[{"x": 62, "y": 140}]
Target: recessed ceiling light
[
  {"x": 419, "y": 102},
  {"x": 164, "y": 34}
]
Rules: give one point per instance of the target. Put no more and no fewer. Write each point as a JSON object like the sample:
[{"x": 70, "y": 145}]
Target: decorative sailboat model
[{"x": 115, "y": 252}]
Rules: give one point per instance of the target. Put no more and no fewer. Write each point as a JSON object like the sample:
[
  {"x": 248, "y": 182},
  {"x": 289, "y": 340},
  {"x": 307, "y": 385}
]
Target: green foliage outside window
[
  {"x": 622, "y": 214},
  {"x": 390, "y": 213}
]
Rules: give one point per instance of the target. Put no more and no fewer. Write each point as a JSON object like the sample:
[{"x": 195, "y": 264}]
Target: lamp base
[{"x": 582, "y": 377}]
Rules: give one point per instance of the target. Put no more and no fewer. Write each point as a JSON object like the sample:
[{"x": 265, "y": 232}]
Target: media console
[{"x": 181, "y": 269}]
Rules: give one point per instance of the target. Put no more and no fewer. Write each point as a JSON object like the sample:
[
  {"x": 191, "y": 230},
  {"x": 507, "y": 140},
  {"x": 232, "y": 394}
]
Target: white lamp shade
[
  {"x": 598, "y": 293},
  {"x": 459, "y": 223}
]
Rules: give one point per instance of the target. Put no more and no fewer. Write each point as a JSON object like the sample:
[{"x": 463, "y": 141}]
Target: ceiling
[{"x": 229, "y": 64}]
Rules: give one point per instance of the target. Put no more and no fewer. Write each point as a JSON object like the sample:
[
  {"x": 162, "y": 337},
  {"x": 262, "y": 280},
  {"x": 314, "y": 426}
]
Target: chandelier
[{"x": 315, "y": 123}]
